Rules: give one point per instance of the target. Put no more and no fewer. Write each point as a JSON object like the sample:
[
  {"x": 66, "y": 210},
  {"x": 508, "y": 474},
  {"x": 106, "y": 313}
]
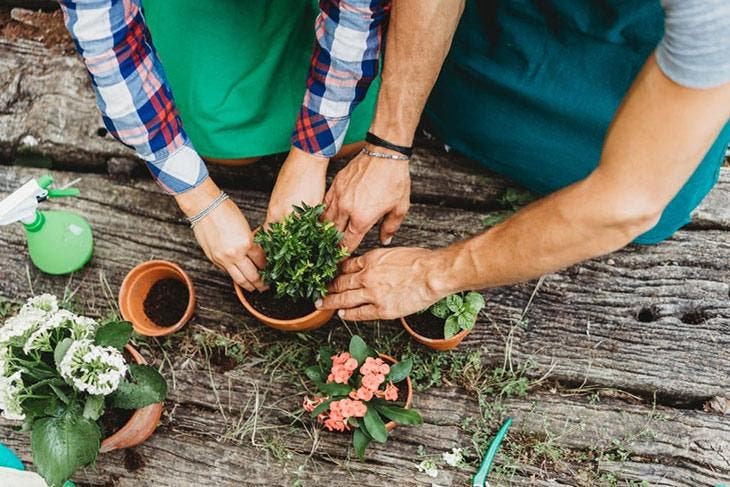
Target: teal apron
[{"x": 530, "y": 88}]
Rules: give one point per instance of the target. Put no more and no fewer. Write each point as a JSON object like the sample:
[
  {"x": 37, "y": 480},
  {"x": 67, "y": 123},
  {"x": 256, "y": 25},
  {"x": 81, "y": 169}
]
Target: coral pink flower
[
  {"x": 343, "y": 365},
  {"x": 352, "y": 408},
  {"x": 373, "y": 381},
  {"x": 346, "y": 360},
  {"x": 391, "y": 392},
  {"x": 335, "y": 424},
  {"x": 363, "y": 393},
  {"x": 310, "y": 404},
  {"x": 374, "y": 366}
]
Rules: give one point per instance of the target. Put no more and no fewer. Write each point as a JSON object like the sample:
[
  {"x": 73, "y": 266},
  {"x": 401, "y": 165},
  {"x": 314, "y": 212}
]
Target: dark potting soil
[
  {"x": 166, "y": 302},
  {"x": 280, "y": 308},
  {"x": 219, "y": 358},
  {"x": 114, "y": 419},
  {"x": 133, "y": 460},
  {"x": 427, "y": 325}
]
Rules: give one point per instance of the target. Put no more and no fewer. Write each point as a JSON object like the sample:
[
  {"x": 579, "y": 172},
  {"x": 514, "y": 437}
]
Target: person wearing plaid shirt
[{"x": 138, "y": 108}]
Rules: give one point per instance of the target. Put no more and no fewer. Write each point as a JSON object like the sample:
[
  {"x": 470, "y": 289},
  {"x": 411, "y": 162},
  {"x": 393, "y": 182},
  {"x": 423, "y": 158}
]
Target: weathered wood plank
[
  {"x": 48, "y": 98},
  {"x": 593, "y": 310}
]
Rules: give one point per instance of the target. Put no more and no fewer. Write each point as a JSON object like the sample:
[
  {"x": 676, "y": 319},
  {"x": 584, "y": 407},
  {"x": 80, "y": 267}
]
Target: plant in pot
[
  {"x": 67, "y": 378},
  {"x": 359, "y": 390},
  {"x": 302, "y": 255},
  {"x": 445, "y": 324}
]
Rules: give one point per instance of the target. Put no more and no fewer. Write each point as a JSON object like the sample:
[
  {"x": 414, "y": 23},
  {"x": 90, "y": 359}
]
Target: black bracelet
[{"x": 375, "y": 140}]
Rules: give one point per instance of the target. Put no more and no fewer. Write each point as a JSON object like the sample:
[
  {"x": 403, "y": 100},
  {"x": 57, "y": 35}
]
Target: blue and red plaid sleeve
[
  {"x": 345, "y": 62},
  {"x": 131, "y": 89}
]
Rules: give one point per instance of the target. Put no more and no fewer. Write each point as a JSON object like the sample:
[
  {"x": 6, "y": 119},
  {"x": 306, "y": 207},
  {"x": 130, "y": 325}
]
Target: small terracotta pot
[
  {"x": 390, "y": 425},
  {"x": 440, "y": 344},
  {"x": 312, "y": 321},
  {"x": 140, "y": 426},
  {"x": 137, "y": 285}
]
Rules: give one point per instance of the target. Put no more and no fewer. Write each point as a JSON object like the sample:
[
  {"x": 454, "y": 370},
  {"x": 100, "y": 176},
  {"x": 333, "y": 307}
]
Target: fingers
[
  {"x": 238, "y": 278},
  {"x": 353, "y": 264},
  {"x": 348, "y": 299},
  {"x": 257, "y": 256},
  {"x": 251, "y": 273},
  {"x": 391, "y": 224},
  {"x": 367, "y": 312},
  {"x": 345, "y": 282},
  {"x": 353, "y": 236}
]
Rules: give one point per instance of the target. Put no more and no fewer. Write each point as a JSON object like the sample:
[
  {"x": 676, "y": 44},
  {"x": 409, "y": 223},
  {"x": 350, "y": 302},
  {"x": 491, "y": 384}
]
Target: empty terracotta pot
[
  {"x": 137, "y": 285},
  {"x": 442, "y": 344},
  {"x": 140, "y": 426},
  {"x": 390, "y": 425},
  {"x": 311, "y": 321}
]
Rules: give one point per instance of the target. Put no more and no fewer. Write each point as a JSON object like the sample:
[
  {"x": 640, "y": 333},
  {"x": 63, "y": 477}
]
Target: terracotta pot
[
  {"x": 440, "y": 344},
  {"x": 140, "y": 426},
  {"x": 137, "y": 285},
  {"x": 390, "y": 425},
  {"x": 311, "y": 321}
]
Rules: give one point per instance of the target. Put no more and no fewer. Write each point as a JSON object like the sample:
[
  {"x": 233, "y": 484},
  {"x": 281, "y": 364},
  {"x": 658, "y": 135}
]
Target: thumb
[{"x": 391, "y": 223}]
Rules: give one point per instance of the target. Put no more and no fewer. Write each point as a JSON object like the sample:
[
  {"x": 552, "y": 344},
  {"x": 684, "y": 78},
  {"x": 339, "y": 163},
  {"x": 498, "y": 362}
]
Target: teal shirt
[{"x": 530, "y": 88}]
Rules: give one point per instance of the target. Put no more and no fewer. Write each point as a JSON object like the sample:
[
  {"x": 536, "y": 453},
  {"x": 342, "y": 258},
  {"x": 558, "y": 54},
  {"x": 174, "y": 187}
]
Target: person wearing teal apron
[{"x": 616, "y": 111}]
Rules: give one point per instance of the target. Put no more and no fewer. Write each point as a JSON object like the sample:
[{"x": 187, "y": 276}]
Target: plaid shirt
[{"x": 136, "y": 101}]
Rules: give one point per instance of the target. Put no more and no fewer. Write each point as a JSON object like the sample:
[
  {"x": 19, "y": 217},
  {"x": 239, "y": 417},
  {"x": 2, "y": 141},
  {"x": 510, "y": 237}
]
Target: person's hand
[
  {"x": 302, "y": 178},
  {"x": 384, "y": 284},
  {"x": 365, "y": 191},
  {"x": 225, "y": 236}
]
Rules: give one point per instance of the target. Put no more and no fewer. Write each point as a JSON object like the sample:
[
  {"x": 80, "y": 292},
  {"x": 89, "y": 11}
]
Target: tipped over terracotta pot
[
  {"x": 439, "y": 344},
  {"x": 390, "y": 425},
  {"x": 140, "y": 426},
  {"x": 311, "y": 321},
  {"x": 137, "y": 286}
]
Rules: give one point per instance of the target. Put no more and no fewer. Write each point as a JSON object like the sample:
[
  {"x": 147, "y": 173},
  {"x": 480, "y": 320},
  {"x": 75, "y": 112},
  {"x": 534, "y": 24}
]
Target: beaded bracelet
[{"x": 193, "y": 220}]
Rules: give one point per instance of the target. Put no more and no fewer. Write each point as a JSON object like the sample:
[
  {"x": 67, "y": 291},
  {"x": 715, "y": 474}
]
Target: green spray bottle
[{"x": 59, "y": 242}]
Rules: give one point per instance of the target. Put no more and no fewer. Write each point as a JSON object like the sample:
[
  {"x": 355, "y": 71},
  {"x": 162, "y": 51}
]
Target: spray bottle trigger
[{"x": 60, "y": 193}]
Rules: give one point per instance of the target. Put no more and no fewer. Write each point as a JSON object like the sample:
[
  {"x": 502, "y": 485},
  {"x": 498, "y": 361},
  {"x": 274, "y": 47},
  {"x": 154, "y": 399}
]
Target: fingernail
[
  {"x": 388, "y": 240},
  {"x": 341, "y": 313},
  {"x": 318, "y": 303}
]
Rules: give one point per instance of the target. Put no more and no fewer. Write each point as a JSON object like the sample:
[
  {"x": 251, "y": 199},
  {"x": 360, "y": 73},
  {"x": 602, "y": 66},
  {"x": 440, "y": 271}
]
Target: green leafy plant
[
  {"x": 302, "y": 253},
  {"x": 59, "y": 372},
  {"x": 358, "y": 392},
  {"x": 459, "y": 311}
]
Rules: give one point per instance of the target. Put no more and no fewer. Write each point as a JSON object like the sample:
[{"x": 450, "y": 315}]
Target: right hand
[{"x": 225, "y": 236}]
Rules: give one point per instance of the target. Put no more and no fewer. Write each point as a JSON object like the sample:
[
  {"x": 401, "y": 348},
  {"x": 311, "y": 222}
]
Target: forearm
[
  {"x": 658, "y": 137},
  {"x": 419, "y": 37}
]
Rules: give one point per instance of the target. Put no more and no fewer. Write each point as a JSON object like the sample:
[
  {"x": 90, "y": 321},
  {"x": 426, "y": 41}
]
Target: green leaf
[
  {"x": 375, "y": 426},
  {"x": 115, "y": 334},
  {"x": 325, "y": 355},
  {"x": 465, "y": 319},
  {"x": 496, "y": 217},
  {"x": 451, "y": 327},
  {"x": 335, "y": 389},
  {"x": 358, "y": 349},
  {"x": 400, "y": 415},
  {"x": 360, "y": 442},
  {"x": 401, "y": 370},
  {"x": 61, "y": 349},
  {"x": 474, "y": 302},
  {"x": 314, "y": 373},
  {"x": 322, "y": 407},
  {"x": 61, "y": 395},
  {"x": 454, "y": 302},
  {"x": 440, "y": 310},
  {"x": 94, "y": 407},
  {"x": 63, "y": 444},
  {"x": 149, "y": 387}
]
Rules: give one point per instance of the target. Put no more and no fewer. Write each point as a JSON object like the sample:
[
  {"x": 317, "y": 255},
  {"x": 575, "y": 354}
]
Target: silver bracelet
[
  {"x": 383, "y": 155},
  {"x": 193, "y": 220}
]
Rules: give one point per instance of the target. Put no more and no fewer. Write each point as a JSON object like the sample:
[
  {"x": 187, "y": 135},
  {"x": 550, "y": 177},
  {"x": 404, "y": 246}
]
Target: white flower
[
  {"x": 10, "y": 389},
  {"x": 93, "y": 369},
  {"x": 22, "y": 325},
  {"x": 83, "y": 327},
  {"x": 80, "y": 327},
  {"x": 455, "y": 458},
  {"x": 44, "y": 302},
  {"x": 429, "y": 468}
]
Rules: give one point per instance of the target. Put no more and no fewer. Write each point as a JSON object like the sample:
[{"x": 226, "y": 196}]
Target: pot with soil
[
  {"x": 126, "y": 428},
  {"x": 157, "y": 297},
  {"x": 302, "y": 256},
  {"x": 445, "y": 324}
]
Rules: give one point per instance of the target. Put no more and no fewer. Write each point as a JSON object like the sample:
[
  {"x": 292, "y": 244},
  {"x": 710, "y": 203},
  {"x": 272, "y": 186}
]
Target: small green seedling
[
  {"x": 302, "y": 253},
  {"x": 459, "y": 311}
]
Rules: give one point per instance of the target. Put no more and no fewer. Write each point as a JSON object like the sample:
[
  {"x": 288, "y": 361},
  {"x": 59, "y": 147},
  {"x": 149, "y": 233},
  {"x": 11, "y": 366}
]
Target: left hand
[
  {"x": 302, "y": 178},
  {"x": 383, "y": 284}
]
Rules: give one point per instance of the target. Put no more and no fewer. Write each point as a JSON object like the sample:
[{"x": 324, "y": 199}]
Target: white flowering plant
[{"x": 59, "y": 373}]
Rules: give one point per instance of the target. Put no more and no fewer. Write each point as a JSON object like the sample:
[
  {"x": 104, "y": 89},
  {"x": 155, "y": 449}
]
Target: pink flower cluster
[{"x": 373, "y": 373}]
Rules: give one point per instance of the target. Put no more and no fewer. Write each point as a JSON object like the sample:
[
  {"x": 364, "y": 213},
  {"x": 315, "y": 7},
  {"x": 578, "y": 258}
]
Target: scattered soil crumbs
[
  {"x": 114, "y": 419},
  {"x": 45, "y": 27},
  {"x": 280, "y": 308},
  {"x": 166, "y": 302},
  {"x": 220, "y": 358},
  {"x": 133, "y": 460},
  {"x": 427, "y": 325}
]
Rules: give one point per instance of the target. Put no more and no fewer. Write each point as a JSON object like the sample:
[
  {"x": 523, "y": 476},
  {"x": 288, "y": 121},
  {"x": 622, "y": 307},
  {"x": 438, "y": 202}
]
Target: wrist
[
  {"x": 197, "y": 199},
  {"x": 442, "y": 276},
  {"x": 301, "y": 158}
]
